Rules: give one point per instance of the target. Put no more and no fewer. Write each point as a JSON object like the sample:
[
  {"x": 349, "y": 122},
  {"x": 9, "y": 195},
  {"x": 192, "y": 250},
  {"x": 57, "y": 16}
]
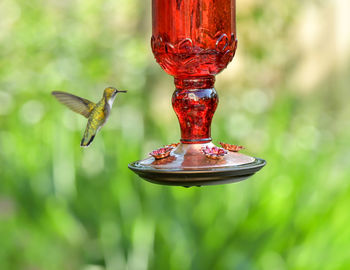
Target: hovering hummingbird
[{"x": 97, "y": 113}]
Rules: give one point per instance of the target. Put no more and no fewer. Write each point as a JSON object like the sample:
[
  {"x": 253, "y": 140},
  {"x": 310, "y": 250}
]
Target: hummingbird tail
[{"x": 85, "y": 143}]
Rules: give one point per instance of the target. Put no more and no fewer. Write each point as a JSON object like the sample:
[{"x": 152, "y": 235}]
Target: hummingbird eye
[{"x": 113, "y": 89}]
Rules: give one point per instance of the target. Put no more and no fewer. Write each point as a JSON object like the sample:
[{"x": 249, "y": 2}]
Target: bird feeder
[{"x": 193, "y": 40}]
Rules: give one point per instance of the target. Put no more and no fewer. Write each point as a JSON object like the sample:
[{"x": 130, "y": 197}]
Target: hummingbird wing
[{"x": 75, "y": 103}]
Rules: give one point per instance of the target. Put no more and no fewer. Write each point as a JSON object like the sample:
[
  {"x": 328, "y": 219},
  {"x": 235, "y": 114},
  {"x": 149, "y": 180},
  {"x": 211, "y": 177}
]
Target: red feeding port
[
  {"x": 231, "y": 147},
  {"x": 214, "y": 152},
  {"x": 161, "y": 152}
]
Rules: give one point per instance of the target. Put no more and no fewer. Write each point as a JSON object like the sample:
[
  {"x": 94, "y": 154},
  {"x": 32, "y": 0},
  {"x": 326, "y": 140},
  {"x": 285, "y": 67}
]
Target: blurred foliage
[{"x": 285, "y": 97}]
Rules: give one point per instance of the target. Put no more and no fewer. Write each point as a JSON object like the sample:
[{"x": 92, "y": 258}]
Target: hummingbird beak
[{"x": 118, "y": 91}]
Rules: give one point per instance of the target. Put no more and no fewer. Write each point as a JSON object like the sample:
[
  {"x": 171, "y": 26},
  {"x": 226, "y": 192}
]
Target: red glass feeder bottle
[{"x": 193, "y": 40}]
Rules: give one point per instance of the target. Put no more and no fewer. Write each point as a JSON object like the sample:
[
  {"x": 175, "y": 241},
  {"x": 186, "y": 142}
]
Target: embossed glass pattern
[
  {"x": 193, "y": 40},
  {"x": 193, "y": 37}
]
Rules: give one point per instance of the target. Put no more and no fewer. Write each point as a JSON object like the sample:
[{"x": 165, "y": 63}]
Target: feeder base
[{"x": 188, "y": 166}]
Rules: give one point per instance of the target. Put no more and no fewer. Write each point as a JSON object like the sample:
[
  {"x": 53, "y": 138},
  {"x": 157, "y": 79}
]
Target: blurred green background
[{"x": 285, "y": 97}]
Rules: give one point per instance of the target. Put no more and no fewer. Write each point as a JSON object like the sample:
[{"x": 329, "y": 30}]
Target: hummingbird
[{"x": 97, "y": 113}]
